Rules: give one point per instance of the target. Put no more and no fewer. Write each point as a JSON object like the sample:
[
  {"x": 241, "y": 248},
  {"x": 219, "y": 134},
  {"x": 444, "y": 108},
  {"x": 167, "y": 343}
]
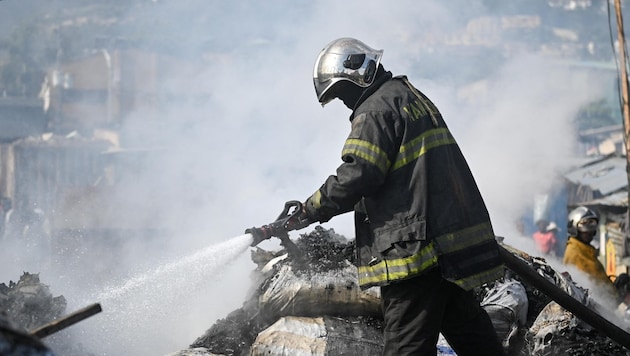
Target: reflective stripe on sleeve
[{"x": 367, "y": 151}]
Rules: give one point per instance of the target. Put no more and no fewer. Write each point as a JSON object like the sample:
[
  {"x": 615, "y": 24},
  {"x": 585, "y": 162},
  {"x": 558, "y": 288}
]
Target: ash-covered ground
[
  {"x": 324, "y": 250},
  {"x": 28, "y": 304}
]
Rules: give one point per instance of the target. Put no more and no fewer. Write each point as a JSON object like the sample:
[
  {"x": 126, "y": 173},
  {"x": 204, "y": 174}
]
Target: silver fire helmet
[
  {"x": 582, "y": 219},
  {"x": 344, "y": 59}
]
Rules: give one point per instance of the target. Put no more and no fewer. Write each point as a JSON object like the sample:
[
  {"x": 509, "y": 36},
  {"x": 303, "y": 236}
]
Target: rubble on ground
[
  {"x": 313, "y": 306},
  {"x": 552, "y": 330},
  {"x": 29, "y": 303},
  {"x": 26, "y": 305}
]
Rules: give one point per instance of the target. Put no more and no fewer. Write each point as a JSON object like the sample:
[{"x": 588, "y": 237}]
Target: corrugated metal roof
[
  {"x": 618, "y": 199},
  {"x": 606, "y": 176}
]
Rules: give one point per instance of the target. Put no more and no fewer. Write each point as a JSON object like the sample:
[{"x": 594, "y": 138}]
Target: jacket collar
[
  {"x": 380, "y": 80},
  {"x": 581, "y": 244}
]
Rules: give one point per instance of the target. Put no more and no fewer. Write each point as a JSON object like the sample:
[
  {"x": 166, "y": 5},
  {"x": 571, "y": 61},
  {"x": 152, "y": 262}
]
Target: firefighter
[
  {"x": 582, "y": 227},
  {"x": 423, "y": 233}
]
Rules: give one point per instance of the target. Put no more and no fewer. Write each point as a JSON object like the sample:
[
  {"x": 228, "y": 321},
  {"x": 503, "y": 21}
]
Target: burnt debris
[
  {"x": 322, "y": 251},
  {"x": 24, "y": 306},
  {"x": 248, "y": 331},
  {"x": 29, "y": 303}
]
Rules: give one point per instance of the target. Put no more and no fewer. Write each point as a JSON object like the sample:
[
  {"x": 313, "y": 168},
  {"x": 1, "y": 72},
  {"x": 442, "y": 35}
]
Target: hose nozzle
[{"x": 260, "y": 234}]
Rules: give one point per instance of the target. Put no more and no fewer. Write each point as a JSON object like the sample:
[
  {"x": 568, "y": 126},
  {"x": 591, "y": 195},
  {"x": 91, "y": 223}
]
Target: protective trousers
[{"x": 418, "y": 309}]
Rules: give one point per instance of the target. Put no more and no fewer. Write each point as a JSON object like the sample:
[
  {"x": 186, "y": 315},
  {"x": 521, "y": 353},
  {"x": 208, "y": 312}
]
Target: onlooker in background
[
  {"x": 555, "y": 230},
  {"x": 545, "y": 238},
  {"x": 582, "y": 228},
  {"x": 541, "y": 225}
]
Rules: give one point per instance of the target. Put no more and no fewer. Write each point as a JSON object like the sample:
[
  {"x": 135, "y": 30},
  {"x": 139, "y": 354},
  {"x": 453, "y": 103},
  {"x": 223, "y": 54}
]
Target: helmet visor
[
  {"x": 587, "y": 225},
  {"x": 329, "y": 70},
  {"x": 328, "y": 95}
]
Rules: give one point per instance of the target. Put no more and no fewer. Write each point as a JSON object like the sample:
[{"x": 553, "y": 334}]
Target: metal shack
[{"x": 602, "y": 185}]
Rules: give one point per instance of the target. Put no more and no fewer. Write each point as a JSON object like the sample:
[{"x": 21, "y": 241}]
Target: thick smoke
[{"x": 259, "y": 138}]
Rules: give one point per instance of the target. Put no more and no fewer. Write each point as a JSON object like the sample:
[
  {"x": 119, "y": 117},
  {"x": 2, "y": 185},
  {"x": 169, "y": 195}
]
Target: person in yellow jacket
[{"x": 582, "y": 228}]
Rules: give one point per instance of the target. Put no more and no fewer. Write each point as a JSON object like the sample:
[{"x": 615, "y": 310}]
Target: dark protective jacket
[{"x": 418, "y": 204}]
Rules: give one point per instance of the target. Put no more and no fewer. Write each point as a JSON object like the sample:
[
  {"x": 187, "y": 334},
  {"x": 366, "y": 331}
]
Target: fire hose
[
  {"x": 66, "y": 321},
  {"x": 291, "y": 218}
]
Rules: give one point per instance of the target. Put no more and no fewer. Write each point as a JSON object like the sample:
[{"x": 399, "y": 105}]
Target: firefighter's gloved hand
[{"x": 300, "y": 219}]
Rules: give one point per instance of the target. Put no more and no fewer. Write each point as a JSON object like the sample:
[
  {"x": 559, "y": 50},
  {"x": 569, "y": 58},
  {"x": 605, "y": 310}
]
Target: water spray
[{"x": 153, "y": 299}]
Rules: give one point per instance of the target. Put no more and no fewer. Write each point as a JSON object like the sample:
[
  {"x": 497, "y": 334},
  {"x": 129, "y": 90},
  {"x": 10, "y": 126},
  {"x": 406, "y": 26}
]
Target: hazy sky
[{"x": 262, "y": 139}]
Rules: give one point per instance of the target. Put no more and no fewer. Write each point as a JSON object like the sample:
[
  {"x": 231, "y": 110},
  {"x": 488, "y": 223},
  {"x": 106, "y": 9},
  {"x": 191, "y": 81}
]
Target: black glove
[
  {"x": 288, "y": 220},
  {"x": 300, "y": 219}
]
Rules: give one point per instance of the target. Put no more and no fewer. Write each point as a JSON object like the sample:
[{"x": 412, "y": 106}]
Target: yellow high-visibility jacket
[
  {"x": 584, "y": 257},
  {"x": 419, "y": 206}
]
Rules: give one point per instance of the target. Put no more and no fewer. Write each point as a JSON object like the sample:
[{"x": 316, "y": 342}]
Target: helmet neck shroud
[{"x": 352, "y": 94}]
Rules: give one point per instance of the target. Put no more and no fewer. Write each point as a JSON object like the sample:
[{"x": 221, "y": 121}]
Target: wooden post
[
  {"x": 64, "y": 322},
  {"x": 624, "y": 90}
]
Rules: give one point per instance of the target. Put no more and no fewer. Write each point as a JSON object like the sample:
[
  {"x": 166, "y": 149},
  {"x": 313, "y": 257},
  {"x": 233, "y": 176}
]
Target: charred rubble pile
[
  {"x": 312, "y": 305},
  {"x": 29, "y": 303},
  {"x": 308, "y": 304},
  {"x": 26, "y": 305},
  {"x": 548, "y": 328},
  {"x": 32, "y": 320}
]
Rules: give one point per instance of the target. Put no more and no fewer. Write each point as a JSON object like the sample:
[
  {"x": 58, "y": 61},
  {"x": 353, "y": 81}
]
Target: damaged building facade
[{"x": 64, "y": 155}]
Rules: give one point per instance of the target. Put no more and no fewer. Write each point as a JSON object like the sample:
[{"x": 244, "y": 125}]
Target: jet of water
[
  {"x": 148, "y": 301},
  {"x": 183, "y": 273}
]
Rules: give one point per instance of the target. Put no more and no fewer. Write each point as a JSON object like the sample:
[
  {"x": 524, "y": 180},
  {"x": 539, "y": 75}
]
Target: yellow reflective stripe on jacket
[
  {"x": 471, "y": 282},
  {"x": 368, "y": 151},
  {"x": 396, "y": 269},
  {"x": 459, "y": 240},
  {"x": 415, "y": 148}
]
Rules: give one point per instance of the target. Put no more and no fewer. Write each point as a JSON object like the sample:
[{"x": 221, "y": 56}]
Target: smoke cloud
[{"x": 260, "y": 138}]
